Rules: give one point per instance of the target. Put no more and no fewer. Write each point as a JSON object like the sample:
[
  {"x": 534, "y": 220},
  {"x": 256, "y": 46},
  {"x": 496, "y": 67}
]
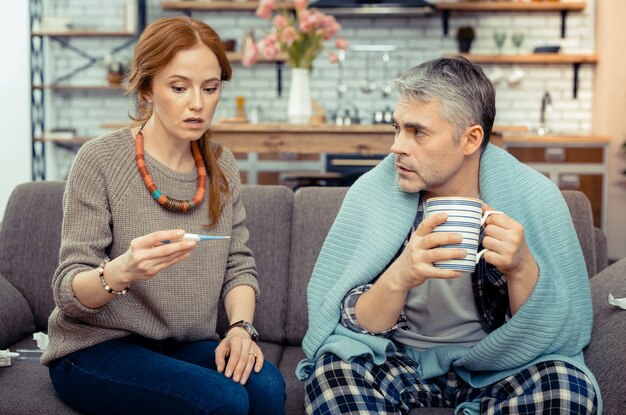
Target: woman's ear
[
  {"x": 145, "y": 96},
  {"x": 473, "y": 139}
]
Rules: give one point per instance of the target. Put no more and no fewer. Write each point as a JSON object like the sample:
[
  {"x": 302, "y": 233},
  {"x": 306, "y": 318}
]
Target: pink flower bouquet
[{"x": 302, "y": 37}]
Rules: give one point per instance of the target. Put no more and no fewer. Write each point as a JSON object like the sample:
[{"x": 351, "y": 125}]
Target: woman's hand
[
  {"x": 242, "y": 353},
  {"x": 148, "y": 255},
  {"x": 145, "y": 258}
]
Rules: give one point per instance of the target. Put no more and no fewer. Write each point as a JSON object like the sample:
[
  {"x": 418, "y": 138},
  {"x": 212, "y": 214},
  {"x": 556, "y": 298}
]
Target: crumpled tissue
[
  {"x": 617, "y": 302},
  {"x": 42, "y": 340}
]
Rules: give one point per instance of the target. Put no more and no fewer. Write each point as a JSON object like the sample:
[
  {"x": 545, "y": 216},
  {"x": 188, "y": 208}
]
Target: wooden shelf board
[
  {"x": 512, "y": 6},
  {"x": 321, "y": 128},
  {"x": 555, "y": 138},
  {"x": 75, "y": 140},
  {"x": 328, "y": 138},
  {"x": 534, "y": 58},
  {"x": 238, "y": 56},
  {"x": 218, "y": 5},
  {"x": 67, "y": 87},
  {"x": 84, "y": 33}
]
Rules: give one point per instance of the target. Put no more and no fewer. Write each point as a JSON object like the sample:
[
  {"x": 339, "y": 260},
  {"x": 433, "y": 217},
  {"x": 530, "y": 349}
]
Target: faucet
[{"x": 546, "y": 106}]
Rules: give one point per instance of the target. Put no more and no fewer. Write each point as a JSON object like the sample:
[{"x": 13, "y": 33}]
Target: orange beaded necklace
[{"x": 162, "y": 199}]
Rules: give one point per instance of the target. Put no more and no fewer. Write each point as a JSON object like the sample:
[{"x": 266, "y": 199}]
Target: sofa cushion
[
  {"x": 26, "y": 388},
  {"x": 30, "y": 238},
  {"x": 605, "y": 354},
  {"x": 16, "y": 319},
  {"x": 314, "y": 212},
  {"x": 268, "y": 219},
  {"x": 602, "y": 260},
  {"x": 293, "y": 387}
]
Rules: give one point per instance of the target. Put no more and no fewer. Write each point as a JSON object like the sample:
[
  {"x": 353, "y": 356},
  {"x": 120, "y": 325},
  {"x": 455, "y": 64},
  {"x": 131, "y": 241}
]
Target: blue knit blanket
[{"x": 375, "y": 217}]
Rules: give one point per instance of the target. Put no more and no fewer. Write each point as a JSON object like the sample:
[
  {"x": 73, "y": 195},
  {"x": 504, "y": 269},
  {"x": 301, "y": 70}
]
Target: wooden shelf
[
  {"x": 73, "y": 141},
  {"x": 67, "y": 87},
  {"x": 83, "y": 33},
  {"x": 555, "y": 138},
  {"x": 511, "y": 6},
  {"x": 538, "y": 59},
  {"x": 563, "y": 7},
  {"x": 237, "y": 57},
  {"x": 534, "y": 58},
  {"x": 218, "y": 5}
]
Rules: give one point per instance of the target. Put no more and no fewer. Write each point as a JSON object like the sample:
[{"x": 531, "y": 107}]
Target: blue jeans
[{"x": 134, "y": 375}]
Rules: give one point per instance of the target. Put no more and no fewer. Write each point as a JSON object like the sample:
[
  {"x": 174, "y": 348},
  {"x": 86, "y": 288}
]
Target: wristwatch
[{"x": 247, "y": 326}]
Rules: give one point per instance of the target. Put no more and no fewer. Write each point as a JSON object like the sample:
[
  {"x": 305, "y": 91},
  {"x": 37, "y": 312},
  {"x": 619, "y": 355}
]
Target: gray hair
[{"x": 467, "y": 96}]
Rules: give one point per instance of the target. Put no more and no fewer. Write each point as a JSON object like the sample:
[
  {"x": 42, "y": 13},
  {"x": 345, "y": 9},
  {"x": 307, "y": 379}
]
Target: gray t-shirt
[{"x": 440, "y": 312}]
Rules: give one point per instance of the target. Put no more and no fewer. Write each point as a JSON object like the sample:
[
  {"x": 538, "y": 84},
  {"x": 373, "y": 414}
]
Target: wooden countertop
[
  {"x": 555, "y": 138},
  {"x": 354, "y": 139}
]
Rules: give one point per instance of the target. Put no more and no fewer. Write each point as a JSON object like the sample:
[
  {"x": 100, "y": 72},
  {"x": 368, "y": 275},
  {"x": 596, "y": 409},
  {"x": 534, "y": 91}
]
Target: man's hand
[
  {"x": 506, "y": 247},
  {"x": 412, "y": 268},
  {"x": 415, "y": 263},
  {"x": 507, "y": 251}
]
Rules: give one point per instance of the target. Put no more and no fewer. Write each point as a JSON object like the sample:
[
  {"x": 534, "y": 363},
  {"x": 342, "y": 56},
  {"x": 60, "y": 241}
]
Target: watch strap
[{"x": 247, "y": 326}]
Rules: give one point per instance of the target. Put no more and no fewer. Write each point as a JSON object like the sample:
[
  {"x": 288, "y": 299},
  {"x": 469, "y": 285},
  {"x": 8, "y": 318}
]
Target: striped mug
[{"x": 465, "y": 216}]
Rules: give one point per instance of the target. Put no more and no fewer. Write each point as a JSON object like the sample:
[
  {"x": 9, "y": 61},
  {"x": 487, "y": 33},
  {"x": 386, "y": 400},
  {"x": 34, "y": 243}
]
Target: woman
[{"x": 134, "y": 327}]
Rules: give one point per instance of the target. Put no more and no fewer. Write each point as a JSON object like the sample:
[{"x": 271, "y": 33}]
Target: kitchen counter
[
  {"x": 354, "y": 139},
  {"x": 325, "y": 138}
]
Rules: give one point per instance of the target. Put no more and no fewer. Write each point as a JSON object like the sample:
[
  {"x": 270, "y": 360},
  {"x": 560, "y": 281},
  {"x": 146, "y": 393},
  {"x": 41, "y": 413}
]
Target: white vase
[{"x": 299, "y": 109}]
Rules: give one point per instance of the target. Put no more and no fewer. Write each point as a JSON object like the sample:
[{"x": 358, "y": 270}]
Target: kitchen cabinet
[
  {"x": 571, "y": 162},
  {"x": 264, "y": 151}
]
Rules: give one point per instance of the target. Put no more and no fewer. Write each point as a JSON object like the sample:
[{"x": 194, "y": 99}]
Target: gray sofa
[{"x": 287, "y": 231}]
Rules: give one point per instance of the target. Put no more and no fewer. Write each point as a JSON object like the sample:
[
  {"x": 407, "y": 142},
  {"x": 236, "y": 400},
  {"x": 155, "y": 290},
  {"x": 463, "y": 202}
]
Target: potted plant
[
  {"x": 301, "y": 35},
  {"x": 465, "y": 36}
]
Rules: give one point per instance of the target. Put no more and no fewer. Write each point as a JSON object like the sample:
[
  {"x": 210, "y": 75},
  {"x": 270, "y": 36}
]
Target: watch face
[{"x": 250, "y": 328}]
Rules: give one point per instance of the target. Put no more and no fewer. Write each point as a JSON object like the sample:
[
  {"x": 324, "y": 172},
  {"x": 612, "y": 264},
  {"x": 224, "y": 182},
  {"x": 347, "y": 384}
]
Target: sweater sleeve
[
  {"x": 241, "y": 267},
  {"x": 86, "y": 232}
]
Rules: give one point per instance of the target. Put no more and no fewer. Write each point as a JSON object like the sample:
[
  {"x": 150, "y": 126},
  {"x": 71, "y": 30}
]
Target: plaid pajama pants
[{"x": 360, "y": 387}]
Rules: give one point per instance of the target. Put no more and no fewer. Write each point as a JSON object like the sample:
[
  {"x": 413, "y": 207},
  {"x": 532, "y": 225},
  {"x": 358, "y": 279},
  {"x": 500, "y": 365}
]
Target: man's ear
[{"x": 472, "y": 139}]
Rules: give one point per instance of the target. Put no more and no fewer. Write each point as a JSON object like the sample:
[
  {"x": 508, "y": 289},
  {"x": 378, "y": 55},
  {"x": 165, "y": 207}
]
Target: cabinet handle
[
  {"x": 555, "y": 154},
  {"x": 569, "y": 181}
]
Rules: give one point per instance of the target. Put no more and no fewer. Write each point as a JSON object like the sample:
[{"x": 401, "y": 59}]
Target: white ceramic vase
[{"x": 299, "y": 109}]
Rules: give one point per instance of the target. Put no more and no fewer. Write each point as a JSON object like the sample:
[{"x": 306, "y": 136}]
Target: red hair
[{"x": 156, "y": 48}]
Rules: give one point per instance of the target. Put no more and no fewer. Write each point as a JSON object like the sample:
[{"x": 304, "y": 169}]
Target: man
[{"x": 388, "y": 331}]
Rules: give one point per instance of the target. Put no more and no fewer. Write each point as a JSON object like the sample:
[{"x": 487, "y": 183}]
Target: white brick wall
[{"x": 417, "y": 39}]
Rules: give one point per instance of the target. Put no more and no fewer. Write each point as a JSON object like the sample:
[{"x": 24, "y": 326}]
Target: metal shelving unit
[{"x": 39, "y": 82}]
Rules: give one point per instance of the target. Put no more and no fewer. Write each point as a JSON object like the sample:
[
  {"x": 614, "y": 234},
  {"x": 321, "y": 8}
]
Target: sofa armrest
[
  {"x": 582, "y": 217},
  {"x": 605, "y": 353},
  {"x": 16, "y": 317},
  {"x": 602, "y": 256}
]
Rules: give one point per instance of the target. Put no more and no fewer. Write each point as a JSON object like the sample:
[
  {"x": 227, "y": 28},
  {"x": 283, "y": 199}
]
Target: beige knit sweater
[{"x": 106, "y": 205}]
